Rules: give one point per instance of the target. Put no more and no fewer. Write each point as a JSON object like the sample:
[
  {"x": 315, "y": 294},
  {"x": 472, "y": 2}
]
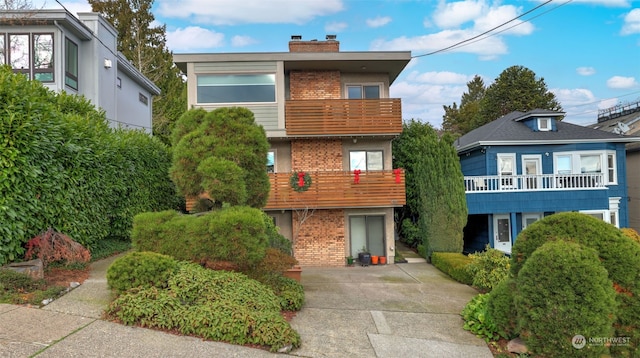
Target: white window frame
[
  {"x": 547, "y": 122},
  {"x": 366, "y": 159},
  {"x": 509, "y": 180},
  {"x": 525, "y": 216},
  {"x": 604, "y": 213},
  {"x": 380, "y": 86},
  {"x": 614, "y": 211},
  {"x": 604, "y": 163},
  {"x": 202, "y": 76}
]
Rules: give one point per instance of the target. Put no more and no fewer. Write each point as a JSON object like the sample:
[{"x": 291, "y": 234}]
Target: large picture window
[
  {"x": 29, "y": 54},
  {"x": 244, "y": 88},
  {"x": 366, "y": 160},
  {"x": 71, "y": 64},
  {"x": 587, "y": 162}
]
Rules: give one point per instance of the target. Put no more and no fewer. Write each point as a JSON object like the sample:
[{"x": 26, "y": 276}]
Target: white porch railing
[{"x": 497, "y": 183}]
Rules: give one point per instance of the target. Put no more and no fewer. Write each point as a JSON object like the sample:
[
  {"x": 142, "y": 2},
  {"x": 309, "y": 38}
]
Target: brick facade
[
  {"x": 314, "y": 85},
  {"x": 320, "y": 240},
  {"x": 318, "y": 154},
  {"x": 314, "y": 46}
]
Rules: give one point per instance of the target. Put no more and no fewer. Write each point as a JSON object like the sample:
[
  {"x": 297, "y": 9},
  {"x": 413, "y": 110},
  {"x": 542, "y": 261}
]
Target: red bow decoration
[
  {"x": 397, "y": 173},
  {"x": 300, "y": 179},
  {"x": 356, "y": 179}
]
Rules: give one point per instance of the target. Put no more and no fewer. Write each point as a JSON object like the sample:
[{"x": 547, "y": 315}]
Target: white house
[{"x": 78, "y": 55}]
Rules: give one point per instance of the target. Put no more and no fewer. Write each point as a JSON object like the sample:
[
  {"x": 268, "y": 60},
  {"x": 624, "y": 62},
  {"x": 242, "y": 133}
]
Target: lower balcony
[
  {"x": 542, "y": 182},
  {"x": 339, "y": 190}
]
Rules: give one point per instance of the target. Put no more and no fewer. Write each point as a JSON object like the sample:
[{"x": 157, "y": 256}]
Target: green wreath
[{"x": 294, "y": 182}]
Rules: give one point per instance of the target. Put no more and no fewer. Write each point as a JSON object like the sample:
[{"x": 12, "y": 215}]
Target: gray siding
[{"x": 235, "y": 67}]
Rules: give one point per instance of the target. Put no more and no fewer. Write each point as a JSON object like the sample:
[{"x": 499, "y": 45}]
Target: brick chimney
[{"x": 330, "y": 45}]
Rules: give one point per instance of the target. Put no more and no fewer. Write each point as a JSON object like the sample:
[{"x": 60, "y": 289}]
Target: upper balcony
[
  {"x": 343, "y": 117},
  {"x": 339, "y": 190},
  {"x": 542, "y": 182}
]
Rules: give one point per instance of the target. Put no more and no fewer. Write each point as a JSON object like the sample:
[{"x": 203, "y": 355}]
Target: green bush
[
  {"x": 62, "y": 167},
  {"x": 454, "y": 265},
  {"x": 140, "y": 269},
  {"x": 502, "y": 309},
  {"x": 564, "y": 291},
  {"x": 235, "y": 234},
  {"x": 476, "y": 319},
  {"x": 619, "y": 255},
  {"x": 290, "y": 291},
  {"x": 489, "y": 268},
  {"x": 410, "y": 233},
  {"x": 215, "y": 305},
  {"x": 223, "y": 150}
]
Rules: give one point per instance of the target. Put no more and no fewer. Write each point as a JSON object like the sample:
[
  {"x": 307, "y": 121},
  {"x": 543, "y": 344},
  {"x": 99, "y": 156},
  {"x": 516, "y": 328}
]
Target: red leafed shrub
[{"x": 52, "y": 246}]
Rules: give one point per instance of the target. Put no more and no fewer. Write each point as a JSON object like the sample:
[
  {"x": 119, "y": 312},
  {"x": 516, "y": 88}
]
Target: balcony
[
  {"x": 343, "y": 117},
  {"x": 542, "y": 182},
  {"x": 339, "y": 190}
]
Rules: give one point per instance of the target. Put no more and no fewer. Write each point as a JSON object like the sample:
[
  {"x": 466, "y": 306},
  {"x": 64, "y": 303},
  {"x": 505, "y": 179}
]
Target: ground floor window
[{"x": 367, "y": 234}]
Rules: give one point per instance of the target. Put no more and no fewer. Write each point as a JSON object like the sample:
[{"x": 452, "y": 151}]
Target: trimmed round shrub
[
  {"x": 619, "y": 255},
  {"x": 141, "y": 269},
  {"x": 502, "y": 309},
  {"x": 564, "y": 291}
]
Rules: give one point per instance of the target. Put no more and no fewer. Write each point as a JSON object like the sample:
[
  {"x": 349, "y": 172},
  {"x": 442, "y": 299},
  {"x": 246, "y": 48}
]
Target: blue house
[{"x": 524, "y": 166}]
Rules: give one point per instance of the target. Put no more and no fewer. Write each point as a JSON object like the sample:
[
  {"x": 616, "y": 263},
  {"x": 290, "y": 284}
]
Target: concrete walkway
[{"x": 405, "y": 310}]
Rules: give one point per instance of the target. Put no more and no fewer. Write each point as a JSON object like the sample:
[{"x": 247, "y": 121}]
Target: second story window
[
  {"x": 363, "y": 91},
  {"x": 271, "y": 161},
  {"x": 71, "y": 64},
  {"x": 365, "y": 160},
  {"x": 30, "y": 54},
  {"x": 244, "y": 88}
]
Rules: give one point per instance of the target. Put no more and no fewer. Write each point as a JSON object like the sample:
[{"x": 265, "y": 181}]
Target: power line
[{"x": 484, "y": 33}]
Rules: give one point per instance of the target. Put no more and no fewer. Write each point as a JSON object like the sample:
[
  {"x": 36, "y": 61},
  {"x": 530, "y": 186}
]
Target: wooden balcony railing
[
  {"x": 339, "y": 190},
  {"x": 343, "y": 117},
  {"x": 542, "y": 182}
]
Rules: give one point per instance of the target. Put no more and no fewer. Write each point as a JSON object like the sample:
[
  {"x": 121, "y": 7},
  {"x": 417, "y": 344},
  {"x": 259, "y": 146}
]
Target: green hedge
[
  {"x": 236, "y": 234},
  {"x": 454, "y": 265},
  {"x": 62, "y": 167}
]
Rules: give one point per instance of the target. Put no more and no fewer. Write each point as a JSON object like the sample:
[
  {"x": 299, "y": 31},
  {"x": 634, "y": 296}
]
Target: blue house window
[{"x": 544, "y": 124}]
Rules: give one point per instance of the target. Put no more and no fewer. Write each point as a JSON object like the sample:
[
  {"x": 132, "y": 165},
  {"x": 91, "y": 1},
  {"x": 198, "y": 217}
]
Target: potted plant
[
  {"x": 364, "y": 257},
  {"x": 349, "y": 260}
]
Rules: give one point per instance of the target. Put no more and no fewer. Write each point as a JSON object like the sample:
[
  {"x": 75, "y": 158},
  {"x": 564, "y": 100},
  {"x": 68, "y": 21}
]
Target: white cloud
[
  {"x": 573, "y": 96},
  {"x": 452, "y": 15},
  {"x": 609, "y": 3},
  {"x": 631, "y": 23},
  {"x": 232, "y": 12},
  {"x": 378, "y": 21},
  {"x": 424, "y": 101},
  {"x": 335, "y": 26},
  {"x": 443, "y": 77},
  {"x": 241, "y": 41},
  {"x": 193, "y": 37},
  {"x": 585, "y": 71},
  {"x": 488, "y": 48},
  {"x": 619, "y": 82}
]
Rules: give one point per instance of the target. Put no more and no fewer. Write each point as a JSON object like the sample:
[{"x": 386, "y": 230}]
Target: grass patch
[{"x": 18, "y": 288}]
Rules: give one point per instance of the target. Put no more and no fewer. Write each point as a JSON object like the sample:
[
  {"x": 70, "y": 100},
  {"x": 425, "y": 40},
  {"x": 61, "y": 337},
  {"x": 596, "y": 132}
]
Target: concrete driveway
[{"x": 403, "y": 310}]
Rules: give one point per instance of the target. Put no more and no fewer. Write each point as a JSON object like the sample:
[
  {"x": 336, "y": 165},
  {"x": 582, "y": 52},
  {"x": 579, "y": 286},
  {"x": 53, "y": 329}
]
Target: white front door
[
  {"x": 502, "y": 233},
  {"x": 532, "y": 169}
]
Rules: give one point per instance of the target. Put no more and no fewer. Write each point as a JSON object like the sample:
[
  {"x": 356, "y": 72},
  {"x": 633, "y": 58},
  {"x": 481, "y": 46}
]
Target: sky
[{"x": 586, "y": 51}]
